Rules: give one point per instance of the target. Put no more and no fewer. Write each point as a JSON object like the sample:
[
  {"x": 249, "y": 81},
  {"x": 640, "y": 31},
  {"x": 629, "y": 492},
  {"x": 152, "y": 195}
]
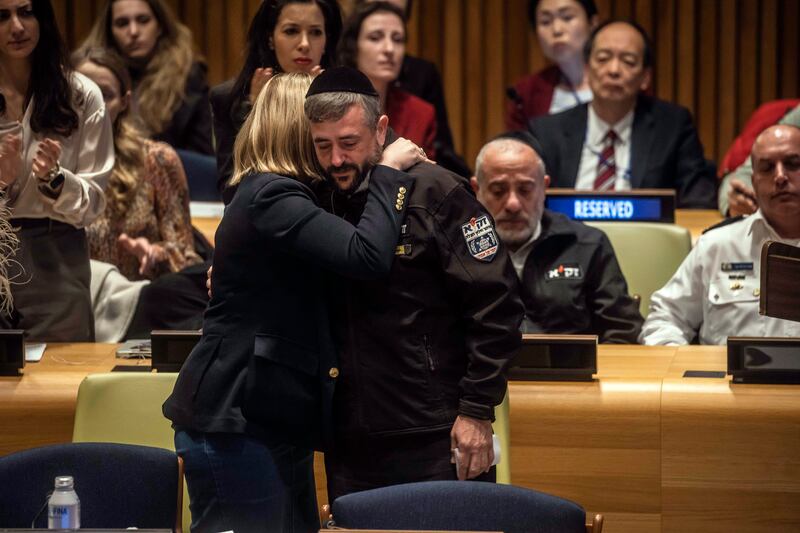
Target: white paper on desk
[{"x": 34, "y": 351}]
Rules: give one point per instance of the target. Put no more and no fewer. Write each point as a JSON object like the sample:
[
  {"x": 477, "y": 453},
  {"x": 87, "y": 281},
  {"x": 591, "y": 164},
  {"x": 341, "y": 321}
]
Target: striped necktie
[{"x": 606, "y": 166}]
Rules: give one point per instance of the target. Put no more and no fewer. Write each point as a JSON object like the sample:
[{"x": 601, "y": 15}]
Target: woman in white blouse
[{"x": 56, "y": 153}]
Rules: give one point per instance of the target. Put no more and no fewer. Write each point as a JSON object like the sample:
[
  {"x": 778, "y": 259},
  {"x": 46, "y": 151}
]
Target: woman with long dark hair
[
  {"x": 284, "y": 36},
  {"x": 170, "y": 90},
  {"x": 56, "y": 153}
]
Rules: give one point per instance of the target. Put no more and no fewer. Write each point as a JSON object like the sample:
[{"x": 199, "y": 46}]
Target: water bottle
[{"x": 64, "y": 507}]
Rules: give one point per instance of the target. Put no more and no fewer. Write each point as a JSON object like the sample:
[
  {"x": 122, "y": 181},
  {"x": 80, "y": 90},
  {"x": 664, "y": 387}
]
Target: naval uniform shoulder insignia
[{"x": 481, "y": 238}]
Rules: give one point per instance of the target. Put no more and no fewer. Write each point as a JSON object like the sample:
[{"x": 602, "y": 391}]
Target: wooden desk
[
  {"x": 207, "y": 226},
  {"x": 38, "y": 408},
  {"x": 654, "y": 451},
  {"x": 730, "y": 456},
  {"x": 648, "y": 448}
]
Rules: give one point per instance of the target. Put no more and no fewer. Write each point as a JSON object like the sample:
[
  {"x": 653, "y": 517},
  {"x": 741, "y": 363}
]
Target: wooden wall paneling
[
  {"x": 517, "y": 46},
  {"x": 235, "y": 34},
  {"x": 768, "y": 61},
  {"x": 414, "y": 32},
  {"x": 215, "y": 21},
  {"x": 176, "y": 6},
  {"x": 790, "y": 49},
  {"x": 664, "y": 42},
  {"x": 194, "y": 16},
  {"x": 83, "y": 15},
  {"x": 453, "y": 78},
  {"x": 252, "y": 7},
  {"x": 728, "y": 87},
  {"x": 687, "y": 49},
  {"x": 706, "y": 109},
  {"x": 475, "y": 80},
  {"x": 624, "y": 9},
  {"x": 494, "y": 71},
  {"x": 430, "y": 23},
  {"x": 61, "y": 8},
  {"x": 605, "y": 8},
  {"x": 643, "y": 13},
  {"x": 748, "y": 60}
]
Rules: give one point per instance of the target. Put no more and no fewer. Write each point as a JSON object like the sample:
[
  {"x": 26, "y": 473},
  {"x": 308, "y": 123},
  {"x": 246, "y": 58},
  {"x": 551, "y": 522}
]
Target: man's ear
[
  {"x": 380, "y": 131},
  {"x": 473, "y": 181},
  {"x": 648, "y": 75},
  {"x": 546, "y": 181}
]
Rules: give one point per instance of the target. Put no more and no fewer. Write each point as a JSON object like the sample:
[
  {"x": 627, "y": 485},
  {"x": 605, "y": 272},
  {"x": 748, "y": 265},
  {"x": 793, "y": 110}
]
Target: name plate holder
[
  {"x": 764, "y": 360},
  {"x": 170, "y": 348},
  {"x": 12, "y": 352},
  {"x": 638, "y": 205},
  {"x": 555, "y": 358}
]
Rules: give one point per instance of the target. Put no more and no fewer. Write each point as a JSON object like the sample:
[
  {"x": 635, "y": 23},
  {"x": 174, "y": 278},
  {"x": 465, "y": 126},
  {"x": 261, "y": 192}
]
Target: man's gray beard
[{"x": 515, "y": 239}]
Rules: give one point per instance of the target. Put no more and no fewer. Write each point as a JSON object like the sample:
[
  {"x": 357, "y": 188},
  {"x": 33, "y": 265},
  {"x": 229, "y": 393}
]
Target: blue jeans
[{"x": 240, "y": 483}]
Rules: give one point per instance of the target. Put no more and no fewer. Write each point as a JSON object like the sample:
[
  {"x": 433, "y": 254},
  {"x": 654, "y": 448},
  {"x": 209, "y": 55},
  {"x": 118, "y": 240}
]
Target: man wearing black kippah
[{"x": 424, "y": 351}]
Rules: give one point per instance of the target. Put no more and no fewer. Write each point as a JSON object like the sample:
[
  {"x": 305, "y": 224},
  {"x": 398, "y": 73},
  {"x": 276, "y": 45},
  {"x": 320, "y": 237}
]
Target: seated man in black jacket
[
  {"x": 625, "y": 139},
  {"x": 571, "y": 282}
]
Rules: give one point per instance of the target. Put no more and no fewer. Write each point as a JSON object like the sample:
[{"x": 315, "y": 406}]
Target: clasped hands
[
  {"x": 45, "y": 160},
  {"x": 149, "y": 254}
]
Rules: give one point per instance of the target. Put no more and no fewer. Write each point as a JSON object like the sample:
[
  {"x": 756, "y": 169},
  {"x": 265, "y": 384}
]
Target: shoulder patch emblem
[{"x": 481, "y": 238}]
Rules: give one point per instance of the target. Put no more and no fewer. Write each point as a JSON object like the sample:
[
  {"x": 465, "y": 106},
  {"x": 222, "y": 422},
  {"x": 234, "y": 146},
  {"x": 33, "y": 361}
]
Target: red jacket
[
  {"x": 761, "y": 119},
  {"x": 535, "y": 94},
  {"x": 413, "y": 118}
]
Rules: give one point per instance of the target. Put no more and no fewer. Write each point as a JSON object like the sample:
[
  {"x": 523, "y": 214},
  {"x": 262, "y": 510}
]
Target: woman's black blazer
[{"x": 266, "y": 363}]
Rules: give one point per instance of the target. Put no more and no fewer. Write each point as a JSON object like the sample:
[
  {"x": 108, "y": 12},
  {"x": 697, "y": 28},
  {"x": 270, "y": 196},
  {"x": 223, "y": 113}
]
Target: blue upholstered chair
[
  {"x": 459, "y": 505},
  {"x": 201, "y": 173},
  {"x": 119, "y": 485}
]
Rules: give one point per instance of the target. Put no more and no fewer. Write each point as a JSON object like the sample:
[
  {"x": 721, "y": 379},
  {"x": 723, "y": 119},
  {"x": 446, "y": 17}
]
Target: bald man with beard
[{"x": 715, "y": 292}]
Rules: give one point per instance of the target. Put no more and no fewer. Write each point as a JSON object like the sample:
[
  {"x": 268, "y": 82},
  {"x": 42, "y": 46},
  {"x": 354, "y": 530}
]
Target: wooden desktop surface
[
  {"x": 648, "y": 448},
  {"x": 695, "y": 220}
]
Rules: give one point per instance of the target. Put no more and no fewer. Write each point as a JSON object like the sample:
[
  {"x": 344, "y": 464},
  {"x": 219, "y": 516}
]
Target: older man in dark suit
[{"x": 624, "y": 139}]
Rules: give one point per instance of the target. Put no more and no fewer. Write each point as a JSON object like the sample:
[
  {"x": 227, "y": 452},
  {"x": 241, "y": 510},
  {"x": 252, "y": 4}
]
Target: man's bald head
[
  {"x": 510, "y": 182},
  {"x": 776, "y": 178}
]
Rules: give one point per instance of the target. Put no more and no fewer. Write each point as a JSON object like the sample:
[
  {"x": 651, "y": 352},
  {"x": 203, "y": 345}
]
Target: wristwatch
[{"x": 52, "y": 182}]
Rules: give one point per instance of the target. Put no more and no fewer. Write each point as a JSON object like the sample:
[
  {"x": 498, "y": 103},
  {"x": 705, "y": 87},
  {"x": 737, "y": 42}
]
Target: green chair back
[
  {"x": 503, "y": 432},
  {"x": 126, "y": 408},
  {"x": 649, "y": 253}
]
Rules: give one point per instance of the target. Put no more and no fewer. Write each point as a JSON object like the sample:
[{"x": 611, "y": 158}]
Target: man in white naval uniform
[{"x": 715, "y": 292}]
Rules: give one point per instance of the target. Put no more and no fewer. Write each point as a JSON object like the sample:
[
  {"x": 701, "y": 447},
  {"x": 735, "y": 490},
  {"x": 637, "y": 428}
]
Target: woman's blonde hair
[
  {"x": 9, "y": 243},
  {"x": 162, "y": 88},
  {"x": 129, "y": 147},
  {"x": 276, "y": 136}
]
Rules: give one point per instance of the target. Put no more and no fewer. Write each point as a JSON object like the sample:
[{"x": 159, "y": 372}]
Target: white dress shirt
[
  {"x": 564, "y": 99},
  {"x": 594, "y": 144},
  {"x": 87, "y": 157},
  {"x": 520, "y": 255},
  {"x": 716, "y": 290}
]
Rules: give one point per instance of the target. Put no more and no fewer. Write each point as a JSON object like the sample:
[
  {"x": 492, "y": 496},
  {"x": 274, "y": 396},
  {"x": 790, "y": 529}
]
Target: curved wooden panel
[{"x": 483, "y": 46}]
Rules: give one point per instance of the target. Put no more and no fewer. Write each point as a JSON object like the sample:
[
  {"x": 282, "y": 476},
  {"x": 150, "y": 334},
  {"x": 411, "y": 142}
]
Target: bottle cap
[{"x": 64, "y": 482}]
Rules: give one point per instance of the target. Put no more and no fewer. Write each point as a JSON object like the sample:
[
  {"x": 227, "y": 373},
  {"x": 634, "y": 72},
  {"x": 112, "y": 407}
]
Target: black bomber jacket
[
  {"x": 572, "y": 284},
  {"x": 432, "y": 340}
]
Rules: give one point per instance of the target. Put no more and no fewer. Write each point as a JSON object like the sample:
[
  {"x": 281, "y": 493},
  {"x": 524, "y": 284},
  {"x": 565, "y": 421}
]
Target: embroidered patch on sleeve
[{"x": 481, "y": 238}]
